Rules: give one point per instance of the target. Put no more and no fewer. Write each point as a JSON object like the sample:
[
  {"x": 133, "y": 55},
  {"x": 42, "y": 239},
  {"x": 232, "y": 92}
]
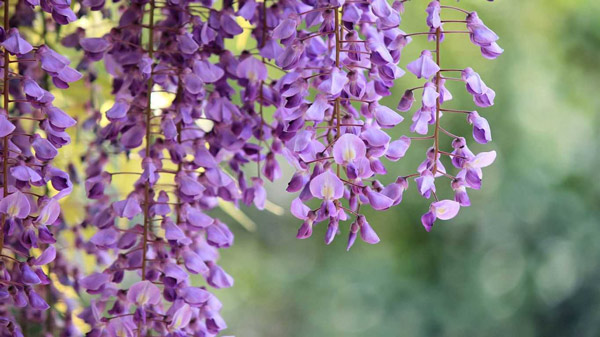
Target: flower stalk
[
  {"x": 6, "y": 98},
  {"x": 149, "y": 86}
]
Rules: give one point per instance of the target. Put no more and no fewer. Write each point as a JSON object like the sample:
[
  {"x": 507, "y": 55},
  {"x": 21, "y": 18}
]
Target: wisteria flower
[
  {"x": 328, "y": 186},
  {"x": 424, "y": 66},
  {"x": 348, "y": 148},
  {"x": 481, "y": 128},
  {"x": 433, "y": 14},
  {"x": 15, "y": 44},
  {"x": 15, "y": 205},
  {"x": 443, "y": 210},
  {"x": 143, "y": 293}
]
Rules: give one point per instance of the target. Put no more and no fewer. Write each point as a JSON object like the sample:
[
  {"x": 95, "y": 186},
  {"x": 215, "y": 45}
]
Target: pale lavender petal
[
  {"x": 15, "y": 205},
  {"x": 59, "y": 118},
  {"x": 348, "y": 148},
  {"x": 424, "y": 66},
  {"x": 285, "y": 29},
  {"x": 367, "y": 234},
  {"x": 6, "y": 127},
  {"x": 94, "y": 281},
  {"x": 218, "y": 278},
  {"x": 433, "y": 14},
  {"x": 127, "y": 208},
  {"x": 376, "y": 137},
  {"x": 193, "y": 83},
  {"x": 181, "y": 318},
  {"x": 44, "y": 150},
  {"x": 316, "y": 111},
  {"x": 118, "y": 111},
  {"x": 49, "y": 212},
  {"x": 482, "y": 159},
  {"x": 427, "y": 220},
  {"x": 445, "y": 209},
  {"x": 398, "y": 148},
  {"x": 492, "y": 51},
  {"x": 252, "y": 69},
  {"x": 94, "y": 44},
  {"x": 195, "y": 296},
  {"x": 407, "y": 101},
  {"x": 144, "y": 292},
  {"x": 327, "y": 186},
  {"x": 15, "y": 44},
  {"x": 186, "y": 44},
  {"x": 298, "y": 209},
  {"x": 481, "y": 128},
  {"x": 335, "y": 83},
  {"x": 377, "y": 200},
  {"x": 106, "y": 237},
  {"x": 430, "y": 95},
  {"x": 386, "y": 117},
  {"x": 207, "y": 71},
  {"x": 47, "y": 256},
  {"x": 133, "y": 137}
]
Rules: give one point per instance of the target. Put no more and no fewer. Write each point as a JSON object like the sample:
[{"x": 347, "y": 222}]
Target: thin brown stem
[
  {"x": 456, "y": 9},
  {"x": 10, "y": 258},
  {"x": 454, "y": 21},
  {"x": 6, "y": 96},
  {"x": 351, "y": 183},
  {"x": 456, "y": 111},
  {"x": 436, "y": 134},
  {"x": 310, "y": 36},
  {"x": 448, "y": 133},
  {"x": 349, "y": 210},
  {"x": 150, "y": 84},
  {"x": 121, "y": 173},
  {"x": 337, "y": 109},
  {"x": 453, "y": 79},
  {"x": 444, "y": 32},
  {"x": 421, "y": 138},
  {"x": 180, "y": 164},
  {"x": 318, "y": 160},
  {"x": 316, "y": 10},
  {"x": 26, "y": 118},
  {"x": 449, "y": 154},
  {"x": 354, "y": 51}
]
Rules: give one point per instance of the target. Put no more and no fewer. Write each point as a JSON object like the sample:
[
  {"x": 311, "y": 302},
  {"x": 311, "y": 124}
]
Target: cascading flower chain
[
  {"x": 29, "y": 209},
  {"x": 320, "y": 67}
]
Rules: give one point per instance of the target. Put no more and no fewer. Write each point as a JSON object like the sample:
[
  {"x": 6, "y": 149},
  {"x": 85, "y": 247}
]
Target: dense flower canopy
[{"x": 320, "y": 68}]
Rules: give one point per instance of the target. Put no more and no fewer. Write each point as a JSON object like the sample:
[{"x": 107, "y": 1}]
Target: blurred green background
[{"x": 522, "y": 261}]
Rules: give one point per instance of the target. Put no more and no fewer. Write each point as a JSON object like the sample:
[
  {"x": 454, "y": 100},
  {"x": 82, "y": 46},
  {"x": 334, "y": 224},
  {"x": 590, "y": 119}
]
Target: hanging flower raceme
[
  {"x": 31, "y": 185},
  {"x": 190, "y": 151},
  {"x": 188, "y": 117},
  {"x": 434, "y": 95},
  {"x": 337, "y": 141}
]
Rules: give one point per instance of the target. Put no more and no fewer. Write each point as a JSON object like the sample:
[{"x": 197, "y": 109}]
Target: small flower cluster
[
  {"x": 32, "y": 129},
  {"x": 434, "y": 95},
  {"x": 336, "y": 141},
  {"x": 189, "y": 152},
  {"x": 348, "y": 53}
]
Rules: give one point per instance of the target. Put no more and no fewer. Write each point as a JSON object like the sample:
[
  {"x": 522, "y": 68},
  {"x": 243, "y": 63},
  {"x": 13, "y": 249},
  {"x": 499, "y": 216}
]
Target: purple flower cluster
[
  {"x": 434, "y": 95},
  {"x": 321, "y": 67},
  {"x": 348, "y": 53},
  {"x": 191, "y": 158},
  {"x": 32, "y": 129}
]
